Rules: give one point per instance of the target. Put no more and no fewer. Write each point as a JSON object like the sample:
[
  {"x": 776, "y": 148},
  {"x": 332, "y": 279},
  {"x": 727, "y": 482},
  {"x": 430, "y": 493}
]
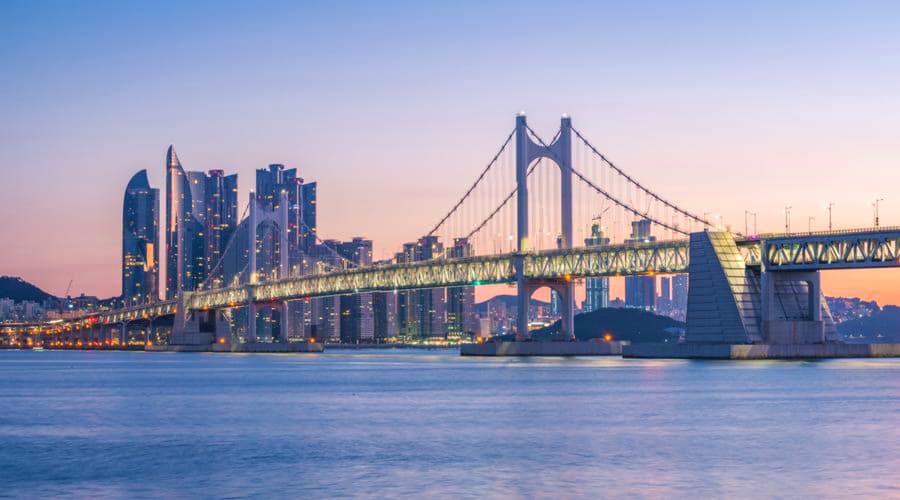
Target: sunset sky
[{"x": 394, "y": 108}]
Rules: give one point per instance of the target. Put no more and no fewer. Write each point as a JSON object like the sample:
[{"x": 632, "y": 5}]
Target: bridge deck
[{"x": 868, "y": 247}]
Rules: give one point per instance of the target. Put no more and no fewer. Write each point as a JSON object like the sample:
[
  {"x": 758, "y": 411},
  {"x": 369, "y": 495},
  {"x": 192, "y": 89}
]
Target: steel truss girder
[
  {"x": 751, "y": 251},
  {"x": 429, "y": 274},
  {"x": 834, "y": 251},
  {"x": 138, "y": 312},
  {"x": 663, "y": 257},
  {"x": 619, "y": 260},
  {"x": 817, "y": 251}
]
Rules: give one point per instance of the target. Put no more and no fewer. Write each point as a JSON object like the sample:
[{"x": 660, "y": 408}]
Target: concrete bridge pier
[
  {"x": 224, "y": 334},
  {"x": 792, "y": 307},
  {"x": 252, "y": 336},
  {"x": 566, "y": 291},
  {"x": 736, "y": 311},
  {"x": 186, "y": 329}
]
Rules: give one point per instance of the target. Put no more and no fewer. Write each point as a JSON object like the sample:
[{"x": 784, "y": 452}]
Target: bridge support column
[
  {"x": 566, "y": 293},
  {"x": 792, "y": 307},
  {"x": 223, "y": 338},
  {"x": 186, "y": 326},
  {"x": 252, "y": 309},
  {"x": 523, "y": 301},
  {"x": 283, "y": 322}
]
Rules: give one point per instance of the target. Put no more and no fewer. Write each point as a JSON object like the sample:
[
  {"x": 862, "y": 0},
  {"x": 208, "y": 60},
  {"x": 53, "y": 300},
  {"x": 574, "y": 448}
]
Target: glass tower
[
  {"x": 201, "y": 219},
  {"x": 640, "y": 291},
  {"x": 461, "y": 317},
  {"x": 357, "y": 315},
  {"x": 596, "y": 289},
  {"x": 140, "y": 241}
]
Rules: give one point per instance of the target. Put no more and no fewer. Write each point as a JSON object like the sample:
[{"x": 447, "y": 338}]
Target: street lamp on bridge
[
  {"x": 829, "y": 207},
  {"x": 748, "y": 213},
  {"x": 787, "y": 219},
  {"x": 874, "y": 205}
]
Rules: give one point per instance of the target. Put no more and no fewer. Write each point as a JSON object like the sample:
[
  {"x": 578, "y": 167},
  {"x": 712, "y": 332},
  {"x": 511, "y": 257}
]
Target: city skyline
[
  {"x": 506, "y": 249},
  {"x": 374, "y": 149}
]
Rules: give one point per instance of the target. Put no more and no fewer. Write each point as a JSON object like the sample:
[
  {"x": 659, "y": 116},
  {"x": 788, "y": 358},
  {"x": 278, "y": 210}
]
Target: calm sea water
[{"x": 426, "y": 423}]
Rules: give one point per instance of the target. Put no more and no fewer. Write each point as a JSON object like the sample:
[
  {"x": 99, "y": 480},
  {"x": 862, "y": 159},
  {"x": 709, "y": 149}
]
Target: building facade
[
  {"x": 461, "y": 317},
  {"x": 680, "y": 292},
  {"x": 385, "y": 321},
  {"x": 596, "y": 289},
  {"x": 220, "y": 221},
  {"x": 201, "y": 220},
  {"x": 357, "y": 310},
  {"x": 422, "y": 313},
  {"x": 140, "y": 241},
  {"x": 308, "y": 228},
  {"x": 640, "y": 291}
]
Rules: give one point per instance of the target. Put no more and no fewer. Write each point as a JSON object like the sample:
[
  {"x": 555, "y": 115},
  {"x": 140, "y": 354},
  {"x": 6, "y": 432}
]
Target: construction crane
[
  {"x": 62, "y": 302},
  {"x": 599, "y": 218}
]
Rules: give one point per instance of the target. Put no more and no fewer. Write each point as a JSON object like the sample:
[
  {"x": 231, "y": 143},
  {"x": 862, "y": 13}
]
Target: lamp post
[
  {"x": 748, "y": 213},
  {"x": 877, "y": 201},
  {"x": 787, "y": 219},
  {"x": 829, "y": 207}
]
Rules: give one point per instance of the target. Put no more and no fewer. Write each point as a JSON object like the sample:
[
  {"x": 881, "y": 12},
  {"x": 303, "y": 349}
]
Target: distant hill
[
  {"x": 508, "y": 300},
  {"x": 867, "y": 330},
  {"x": 15, "y": 288},
  {"x": 634, "y": 325}
]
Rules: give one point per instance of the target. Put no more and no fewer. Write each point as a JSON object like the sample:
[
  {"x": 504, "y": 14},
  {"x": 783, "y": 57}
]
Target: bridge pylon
[
  {"x": 560, "y": 152},
  {"x": 279, "y": 217}
]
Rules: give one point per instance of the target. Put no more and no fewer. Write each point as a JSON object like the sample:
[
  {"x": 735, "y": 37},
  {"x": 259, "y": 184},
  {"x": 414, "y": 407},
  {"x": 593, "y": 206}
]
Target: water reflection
[{"x": 430, "y": 423}]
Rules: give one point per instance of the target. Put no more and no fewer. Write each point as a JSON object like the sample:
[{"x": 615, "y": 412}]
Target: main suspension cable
[
  {"x": 638, "y": 184},
  {"x": 601, "y": 191},
  {"x": 474, "y": 185}
]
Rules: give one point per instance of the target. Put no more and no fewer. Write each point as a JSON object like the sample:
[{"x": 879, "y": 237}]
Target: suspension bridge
[{"x": 521, "y": 222}]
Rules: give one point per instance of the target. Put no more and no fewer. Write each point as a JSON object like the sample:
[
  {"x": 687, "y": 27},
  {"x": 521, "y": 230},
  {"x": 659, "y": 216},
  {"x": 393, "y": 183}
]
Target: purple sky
[{"x": 395, "y": 107}]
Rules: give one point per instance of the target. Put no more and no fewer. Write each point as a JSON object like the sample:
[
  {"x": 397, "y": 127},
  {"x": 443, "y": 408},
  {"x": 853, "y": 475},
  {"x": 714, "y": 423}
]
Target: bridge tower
[
  {"x": 258, "y": 216},
  {"x": 560, "y": 152}
]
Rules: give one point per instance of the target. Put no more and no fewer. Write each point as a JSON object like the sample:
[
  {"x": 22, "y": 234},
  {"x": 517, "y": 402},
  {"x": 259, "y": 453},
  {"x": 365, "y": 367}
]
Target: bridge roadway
[{"x": 858, "y": 248}]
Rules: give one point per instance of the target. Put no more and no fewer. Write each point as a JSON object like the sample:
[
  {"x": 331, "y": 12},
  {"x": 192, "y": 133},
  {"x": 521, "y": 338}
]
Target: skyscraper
[
  {"x": 665, "y": 293},
  {"x": 407, "y": 318},
  {"x": 384, "y": 310},
  {"x": 271, "y": 183},
  {"x": 596, "y": 289},
  {"x": 308, "y": 227},
  {"x": 555, "y": 304},
  {"x": 640, "y": 291},
  {"x": 178, "y": 216},
  {"x": 461, "y": 317},
  {"x": 422, "y": 313},
  {"x": 431, "y": 304},
  {"x": 140, "y": 241},
  {"x": 201, "y": 217},
  {"x": 357, "y": 318},
  {"x": 326, "y": 311},
  {"x": 680, "y": 292},
  {"x": 221, "y": 221}
]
